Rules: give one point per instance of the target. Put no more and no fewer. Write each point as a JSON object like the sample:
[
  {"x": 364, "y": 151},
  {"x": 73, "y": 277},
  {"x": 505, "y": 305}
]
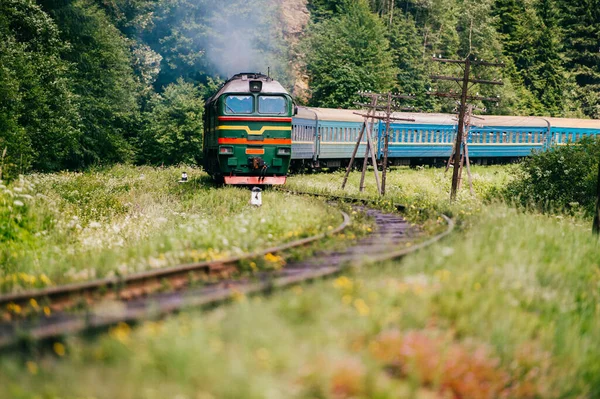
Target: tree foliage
[
  {"x": 346, "y": 54},
  {"x": 173, "y": 131},
  {"x": 39, "y": 123},
  {"x": 85, "y": 82},
  {"x": 562, "y": 179}
]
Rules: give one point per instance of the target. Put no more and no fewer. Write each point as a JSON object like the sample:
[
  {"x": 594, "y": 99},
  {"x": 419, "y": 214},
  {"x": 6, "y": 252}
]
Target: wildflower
[
  {"x": 447, "y": 251},
  {"x": 32, "y": 367},
  {"x": 253, "y": 266},
  {"x": 238, "y": 296},
  {"x": 34, "y": 304},
  {"x": 47, "y": 311},
  {"x": 18, "y": 203},
  {"x": 361, "y": 306},
  {"x": 120, "y": 332},
  {"x": 276, "y": 260},
  {"x": 347, "y": 299},
  {"x": 95, "y": 225},
  {"x": 59, "y": 349},
  {"x": 442, "y": 275},
  {"x": 216, "y": 345},
  {"x": 44, "y": 279},
  {"x": 263, "y": 355},
  {"x": 13, "y": 308},
  {"x": 343, "y": 282}
]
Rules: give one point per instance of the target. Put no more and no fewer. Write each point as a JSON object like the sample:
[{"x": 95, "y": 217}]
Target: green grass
[
  {"x": 69, "y": 227},
  {"x": 507, "y": 308},
  {"x": 425, "y": 191}
]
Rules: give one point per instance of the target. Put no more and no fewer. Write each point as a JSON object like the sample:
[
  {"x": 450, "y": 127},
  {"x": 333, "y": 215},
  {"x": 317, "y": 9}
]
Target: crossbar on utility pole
[
  {"x": 464, "y": 97},
  {"x": 371, "y": 116}
]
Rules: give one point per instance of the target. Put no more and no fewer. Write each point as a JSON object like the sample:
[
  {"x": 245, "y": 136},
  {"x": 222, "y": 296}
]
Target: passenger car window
[
  {"x": 272, "y": 105},
  {"x": 239, "y": 104}
]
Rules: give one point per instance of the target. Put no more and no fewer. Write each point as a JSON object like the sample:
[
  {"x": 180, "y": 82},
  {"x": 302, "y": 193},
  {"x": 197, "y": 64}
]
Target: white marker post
[
  {"x": 256, "y": 197},
  {"x": 184, "y": 178}
]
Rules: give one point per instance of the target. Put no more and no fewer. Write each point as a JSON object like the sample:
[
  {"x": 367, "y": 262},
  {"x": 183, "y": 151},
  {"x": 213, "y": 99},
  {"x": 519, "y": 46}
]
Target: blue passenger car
[{"x": 326, "y": 137}]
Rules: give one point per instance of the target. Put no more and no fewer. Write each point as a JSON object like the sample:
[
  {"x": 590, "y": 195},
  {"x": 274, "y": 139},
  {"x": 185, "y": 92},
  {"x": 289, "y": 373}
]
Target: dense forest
[{"x": 94, "y": 82}]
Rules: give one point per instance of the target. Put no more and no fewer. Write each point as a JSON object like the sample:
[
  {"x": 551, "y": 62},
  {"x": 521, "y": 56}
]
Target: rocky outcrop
[{"x": 295, "y": 18}]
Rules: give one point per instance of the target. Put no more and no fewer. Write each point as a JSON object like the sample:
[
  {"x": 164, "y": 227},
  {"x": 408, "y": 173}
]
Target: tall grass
[
  {"x": 66, "y": 227},
  {"x": 506, "y": 309}
]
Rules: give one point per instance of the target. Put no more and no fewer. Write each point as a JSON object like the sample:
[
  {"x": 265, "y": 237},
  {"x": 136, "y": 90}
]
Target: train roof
[
  {"x": 332, "y": 114},
  {"x": 240, "y": 83}
]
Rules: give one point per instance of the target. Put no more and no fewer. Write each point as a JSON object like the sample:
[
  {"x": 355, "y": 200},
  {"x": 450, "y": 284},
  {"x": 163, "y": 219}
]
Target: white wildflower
[
  {"x": 18, "y": 203},
  {"x": 447, "y": 251},
  {"x": 95, "y": 225}
]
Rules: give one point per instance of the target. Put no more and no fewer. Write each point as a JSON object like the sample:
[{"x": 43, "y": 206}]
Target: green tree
[
  {"x": 103, "y": 79},
  {"x": 405, "y": 44},
  {"x": 581, "y": 23},
  {"x": 346, "y": 54},
  {"x": 173, "y": 132},
  {"x": 39, "y": 123},
  {"x": 326, "y": 9}
]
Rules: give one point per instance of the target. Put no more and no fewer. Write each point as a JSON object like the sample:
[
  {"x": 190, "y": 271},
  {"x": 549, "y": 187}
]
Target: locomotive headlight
[
  {"x": 225, "y": 150},
  {"x": 284, "y": 151}
]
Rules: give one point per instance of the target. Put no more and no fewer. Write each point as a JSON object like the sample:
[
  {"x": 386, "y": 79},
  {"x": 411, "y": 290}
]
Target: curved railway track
[{"x": 143, "y": 295}]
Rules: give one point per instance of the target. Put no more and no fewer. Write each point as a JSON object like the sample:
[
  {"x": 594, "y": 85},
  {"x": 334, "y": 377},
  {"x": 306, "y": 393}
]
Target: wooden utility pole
[
  {"x": 596, "y": 225},
  {"x": 379, "y": 102},
  {"x": 464, "y": 96}
]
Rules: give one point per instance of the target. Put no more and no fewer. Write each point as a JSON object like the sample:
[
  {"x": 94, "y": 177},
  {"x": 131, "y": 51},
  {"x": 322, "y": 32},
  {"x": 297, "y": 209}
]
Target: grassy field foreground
[
  {"x": 67, "y": 227},
  {"x": 506, "y": 309}
]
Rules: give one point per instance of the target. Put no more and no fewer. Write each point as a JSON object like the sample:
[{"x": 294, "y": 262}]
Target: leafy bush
[{"x": 563, "y": 179}]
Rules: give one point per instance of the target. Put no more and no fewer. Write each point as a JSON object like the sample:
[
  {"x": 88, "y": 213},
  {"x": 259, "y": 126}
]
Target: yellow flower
[
  {"x": 276, "y": 261},
  {"x": 47, "y": 311},
  {"x": 347, "y": 299},
  {"x": 361, "y": 306},
  {"x": 263, "y": 356},
  {"x": 44, "y": 279},
  {"x": 343, "y": 283},
  {"x": 32, "y": 367},
  {"x": 442, "y": 275},
  {"x": 34, "y": 304},
  {"x": 120, "y": 332},
  {"x": 59, "y": 349},
  {"x": 238, "y": 296},
  {"x": 13, "y": 308}
]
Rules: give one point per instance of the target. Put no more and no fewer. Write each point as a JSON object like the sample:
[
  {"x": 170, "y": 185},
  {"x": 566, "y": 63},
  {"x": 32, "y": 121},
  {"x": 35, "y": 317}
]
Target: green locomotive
[{"x": 247, "y": 131}]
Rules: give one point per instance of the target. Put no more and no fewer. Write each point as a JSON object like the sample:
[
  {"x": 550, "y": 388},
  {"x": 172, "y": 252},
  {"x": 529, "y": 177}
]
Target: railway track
[{"x": 157, "y": 293}]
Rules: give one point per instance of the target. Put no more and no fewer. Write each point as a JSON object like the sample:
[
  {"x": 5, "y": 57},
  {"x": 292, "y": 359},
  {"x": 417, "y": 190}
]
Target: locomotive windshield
[
  {"x": 239, "y": 104},
  {"x": 272, "y": 105}
]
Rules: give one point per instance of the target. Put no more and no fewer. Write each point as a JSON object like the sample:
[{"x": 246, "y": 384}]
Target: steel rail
[
  {"x": 163, "y": 304},
  {"x": 365, "y": 201},
  {"x": 70, "y": 292}
]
